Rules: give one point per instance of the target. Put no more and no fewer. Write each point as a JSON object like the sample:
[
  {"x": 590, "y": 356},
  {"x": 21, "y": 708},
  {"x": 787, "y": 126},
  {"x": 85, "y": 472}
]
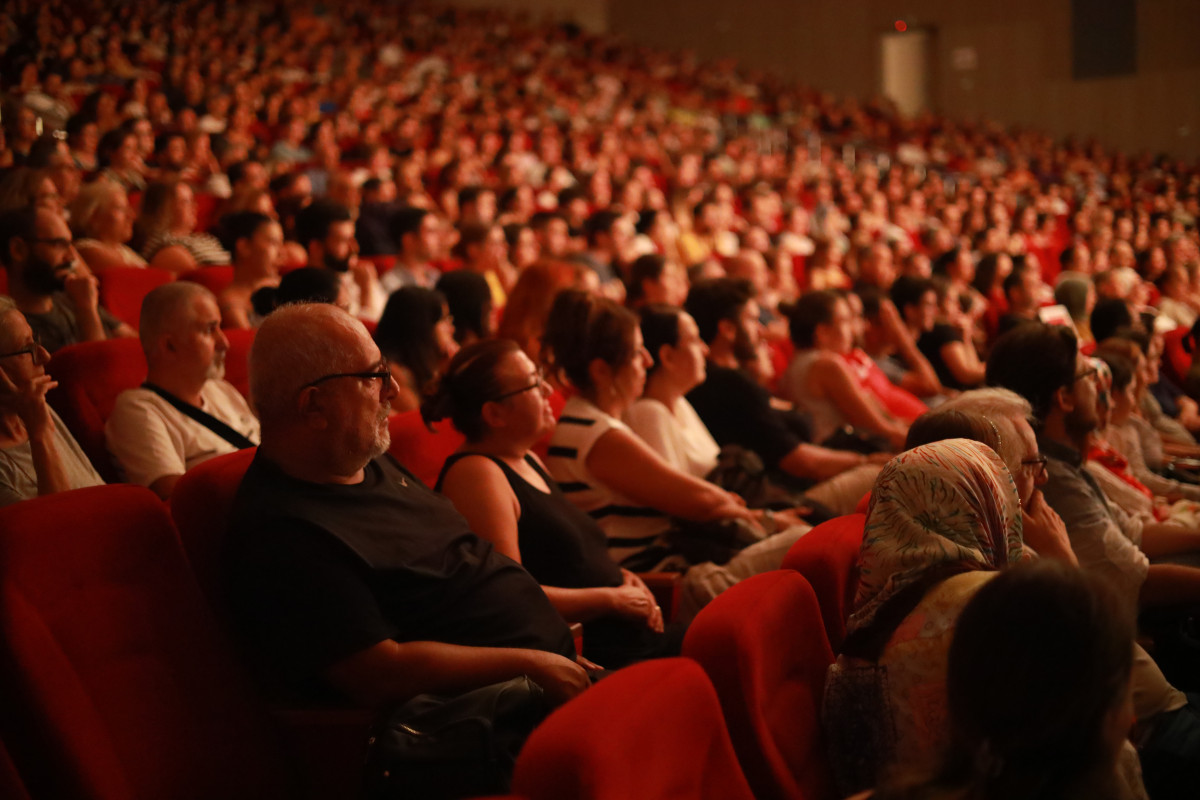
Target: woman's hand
[
  {"x": 633, "y": 600},
  {"x": 29, "y": 403}
]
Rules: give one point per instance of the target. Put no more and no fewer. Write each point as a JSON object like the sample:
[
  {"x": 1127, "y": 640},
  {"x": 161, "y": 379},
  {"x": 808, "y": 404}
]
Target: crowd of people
[{"x": 679, "y": 311}]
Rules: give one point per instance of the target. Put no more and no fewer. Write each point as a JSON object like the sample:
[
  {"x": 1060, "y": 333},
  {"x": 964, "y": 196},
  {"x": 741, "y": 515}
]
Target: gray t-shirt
[{"x": 18, "y": 480}]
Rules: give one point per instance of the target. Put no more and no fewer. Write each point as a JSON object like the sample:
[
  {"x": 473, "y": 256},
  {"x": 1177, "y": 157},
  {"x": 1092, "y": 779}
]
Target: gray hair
[
  {"x": 92, "y": 197},
  {"x": 1001, "y": 407},
  {"x": 165, "y": 308},
  {"x": 297, "y": 344}
]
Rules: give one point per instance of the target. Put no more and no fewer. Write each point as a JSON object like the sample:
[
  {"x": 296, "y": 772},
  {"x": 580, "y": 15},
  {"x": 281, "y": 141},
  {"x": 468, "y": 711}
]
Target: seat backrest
[
  {"x": 652, "y": 730},
  {"x": 115, "y": 680},
  {"x": 1176, "y": 360},
  {"x": 237, "y": 359},
  {"x": 122, "y": 290},
  {"x": 200, "y": 505},
  {"x": 11, "y": 785},
  {"x": 214, "y": 278},
  {"x": 827, "y": 556},
  {"x": 763, "y": 645},
  {"x": 420, "y": 450},
  {"x": 90, "y": 375}
]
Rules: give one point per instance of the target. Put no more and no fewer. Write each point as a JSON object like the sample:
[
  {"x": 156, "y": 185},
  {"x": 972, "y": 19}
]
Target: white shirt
[
  {"x": 150, "y": 439},
  {"x": 678, "y": 435}
]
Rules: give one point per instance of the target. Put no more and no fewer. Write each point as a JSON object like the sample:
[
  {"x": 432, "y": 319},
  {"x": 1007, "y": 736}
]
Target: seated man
[
  {"x": 184, "y": 413},
  {"x": 37, "y": 453},
  {"x": 344, "y": 571},
  {"x": 49, "y": 282}
]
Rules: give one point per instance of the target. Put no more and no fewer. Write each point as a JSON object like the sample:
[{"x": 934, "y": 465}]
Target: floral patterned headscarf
[{"x": 936, "y": 510}]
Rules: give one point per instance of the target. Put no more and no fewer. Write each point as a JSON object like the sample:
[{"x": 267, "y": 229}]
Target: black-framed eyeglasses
[
  {"x": 1035, "y": 464},
  {"x": 30, "y": 349},
  {"x": 539, "y": 382},
  {"x": 381, "y": 372}
]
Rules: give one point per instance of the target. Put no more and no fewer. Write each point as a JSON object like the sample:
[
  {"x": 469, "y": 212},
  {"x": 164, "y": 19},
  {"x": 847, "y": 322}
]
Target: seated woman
[
  {"x": 951, "y": 354},
  {"x": 1038, "y": 693},
  {"x": 166, "y": 229},
  {"x": 469, "y": 299},
  {"x": 38, "y": 455},
  {"x": 103, "y": 219},
  {"x": 607, "y": 471},
  {"x": 496, "y": 397},
  {"x": 416, "y": 336},
  {"x": 666, "y": 421},
  {"x": 655, "y": 280},
  {"x": 529, "y": 302},
  {"x": 819, "y": 381},
  {"x": 256, "y": 242}
]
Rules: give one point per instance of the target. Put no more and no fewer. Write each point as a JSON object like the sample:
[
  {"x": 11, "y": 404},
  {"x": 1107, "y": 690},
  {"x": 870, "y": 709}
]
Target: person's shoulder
[
  {"x": 646, "y": 410},
  {"x": 473, "y": 469}
]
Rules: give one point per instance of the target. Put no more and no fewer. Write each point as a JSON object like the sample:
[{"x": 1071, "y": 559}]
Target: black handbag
[{"x": 443, "y": 748}]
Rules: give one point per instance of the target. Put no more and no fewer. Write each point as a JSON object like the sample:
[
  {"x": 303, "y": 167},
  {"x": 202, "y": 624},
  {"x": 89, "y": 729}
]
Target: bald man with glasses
[{"x": 346, "y": 574}]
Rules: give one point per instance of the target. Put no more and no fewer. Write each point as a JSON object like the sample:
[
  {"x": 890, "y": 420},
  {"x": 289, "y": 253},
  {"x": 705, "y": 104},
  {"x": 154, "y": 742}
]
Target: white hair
[
  {"x": 295, "y": 345},
  {"x": 1002, "y": 408}
]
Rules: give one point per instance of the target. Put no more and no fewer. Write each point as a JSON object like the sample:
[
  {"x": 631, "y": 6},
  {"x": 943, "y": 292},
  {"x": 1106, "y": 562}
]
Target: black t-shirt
[
  {"x": 931, "y": 343},
  {"x": 318, "y": 572},
  {"x": 736, "y": 410},
  {"x": 560, "y": 545}
]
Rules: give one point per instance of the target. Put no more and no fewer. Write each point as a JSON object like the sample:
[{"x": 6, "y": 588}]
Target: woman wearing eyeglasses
[
  {"x": 38, "y": 455},
  {"x": 497, "y": 398}
]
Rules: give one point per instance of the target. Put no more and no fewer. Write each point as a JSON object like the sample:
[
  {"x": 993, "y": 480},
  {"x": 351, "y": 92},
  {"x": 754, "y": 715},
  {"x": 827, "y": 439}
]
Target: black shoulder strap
[{"x": 203, "y": 417}]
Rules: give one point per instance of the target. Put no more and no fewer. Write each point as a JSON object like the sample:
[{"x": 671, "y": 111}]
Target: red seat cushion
[
  {"x": 237, "y": 359},
  {"x": 214, "y": 278},
  {"x": 116, "y": 680},
  {"x": 827, "y": 556},
  {"x": 763, "y": 645},
  {"x": 650, "y": 730}
]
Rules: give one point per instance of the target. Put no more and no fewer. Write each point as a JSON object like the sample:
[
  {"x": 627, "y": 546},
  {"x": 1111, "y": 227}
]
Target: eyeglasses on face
[
  {"x": 539, "y": 382},
  {"x": 31, "y": 350},
  {"x": 381, "y": 372},
  {"x": 1035, "y": 465}
]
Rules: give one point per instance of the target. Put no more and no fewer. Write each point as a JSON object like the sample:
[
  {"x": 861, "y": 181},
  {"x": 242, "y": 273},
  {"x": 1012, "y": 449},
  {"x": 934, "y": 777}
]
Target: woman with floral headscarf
[{"x": 944, "y": 519}]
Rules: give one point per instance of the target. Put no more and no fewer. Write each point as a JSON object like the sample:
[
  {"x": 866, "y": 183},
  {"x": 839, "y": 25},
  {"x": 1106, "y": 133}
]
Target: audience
[
  {"x": 416, "y": 335},
  {"x": 498, "y": 399}
]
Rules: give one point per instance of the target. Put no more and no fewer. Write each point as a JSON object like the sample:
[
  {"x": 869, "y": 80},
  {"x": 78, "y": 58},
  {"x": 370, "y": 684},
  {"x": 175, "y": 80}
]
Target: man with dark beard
[
  {"x": 326, "y": 231},
  {"x": 738, "y": 411},
  {"x": 49, "y": 282},
  {"x": 345, "y": 572},
  {"x": 184, "y": 413},
  {"x": 1043, "y": 364}
]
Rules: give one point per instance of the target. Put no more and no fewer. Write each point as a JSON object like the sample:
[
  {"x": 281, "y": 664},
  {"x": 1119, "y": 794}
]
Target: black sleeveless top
[{"x": 560, "y": 545}]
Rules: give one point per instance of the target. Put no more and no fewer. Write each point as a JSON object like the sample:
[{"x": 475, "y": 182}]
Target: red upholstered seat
[
  {"x": 90, "y": 375},
  {"x": 653, "y": 730},
  {"x": 237, "y": 359},
  {"x": 11, "y": 785},
  {"x": 116, "y": 682},
  {"x": 214, "y": 278},
  {"x": 122, "y": 289},
  {"x": 763, "y": 645},
  {"x": 1176, "y": 360},
  {"x": 420, "y": 450},
  {"x": 827, "y": 556}
]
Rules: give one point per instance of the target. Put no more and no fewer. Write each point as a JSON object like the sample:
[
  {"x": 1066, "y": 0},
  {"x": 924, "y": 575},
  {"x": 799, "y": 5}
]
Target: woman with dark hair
[
  {"x": 655, "y": 279},
  {"x": 416, "y": 336},
  {"x": 818, "y": 379},
  {"x": 256, "y": 242},
  {"x": 498, "y": 400},
  {"x": 1038, "y": 693},
  {"x": 469, "y": 299},
  {"x": 606, "y": 470}
]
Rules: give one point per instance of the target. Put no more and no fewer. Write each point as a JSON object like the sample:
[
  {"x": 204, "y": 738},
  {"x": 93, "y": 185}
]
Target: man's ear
[
  {"x": 727, "y": 329},
  {"x": 1064, "y": 399},
  {"x": 312, "y": 408},
  {"x": 18, "y": 250}
]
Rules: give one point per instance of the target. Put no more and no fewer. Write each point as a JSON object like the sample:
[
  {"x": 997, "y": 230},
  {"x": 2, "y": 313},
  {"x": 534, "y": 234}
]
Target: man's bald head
[
  {"x": 168, "y": 309},
  {"x": 296, "y": 345}
]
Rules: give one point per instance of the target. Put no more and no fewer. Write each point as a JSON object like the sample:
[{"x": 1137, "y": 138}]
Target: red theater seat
[
  {"x": 90, "y": 375},
  {"x": 420, "y": 450},
  {"x": 215, "y": 279},
  {"x": 11, "y": 785},
  {"x": 122, "y": 290},
  {"x": 763, "y": 645},
  {"x": 827, "y": 556},
  {"x": 116, "y": 681},
  {"x": 237, "y": 359},
  {"x": 653, "y": 730}
]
